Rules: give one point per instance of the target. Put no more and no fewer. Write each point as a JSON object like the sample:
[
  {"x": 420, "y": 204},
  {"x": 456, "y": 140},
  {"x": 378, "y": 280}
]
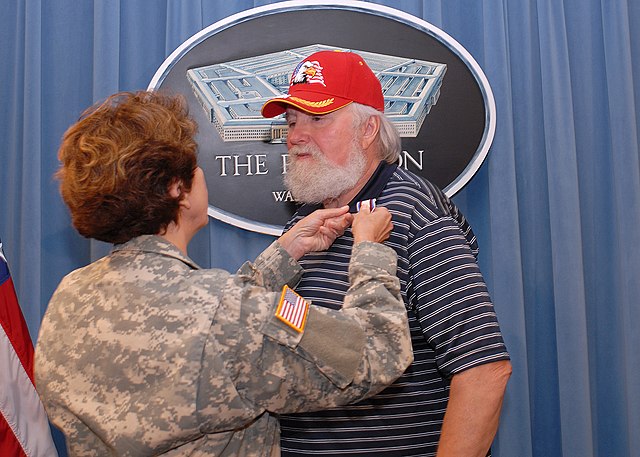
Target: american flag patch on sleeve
[{"x": 292, "y": 309}]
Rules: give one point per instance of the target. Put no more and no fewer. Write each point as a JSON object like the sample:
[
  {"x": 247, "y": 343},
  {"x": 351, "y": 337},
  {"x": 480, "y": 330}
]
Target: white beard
[{"x": 317, "y": 180}]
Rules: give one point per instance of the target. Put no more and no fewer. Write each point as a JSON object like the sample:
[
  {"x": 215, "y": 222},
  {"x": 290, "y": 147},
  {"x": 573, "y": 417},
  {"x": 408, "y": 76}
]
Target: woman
[{"x": 144, "y": 353}]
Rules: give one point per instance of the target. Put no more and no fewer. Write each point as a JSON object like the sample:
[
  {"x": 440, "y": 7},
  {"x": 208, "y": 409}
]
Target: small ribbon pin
[{"x": 371, "y": 203}]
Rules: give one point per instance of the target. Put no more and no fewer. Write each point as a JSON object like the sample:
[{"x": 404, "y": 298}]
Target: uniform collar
[{"x": 157, "y": 245}]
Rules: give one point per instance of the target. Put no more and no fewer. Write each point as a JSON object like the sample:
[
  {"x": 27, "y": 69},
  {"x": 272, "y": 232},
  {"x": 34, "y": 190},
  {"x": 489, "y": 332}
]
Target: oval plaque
[{"x": 435, "y": 94}]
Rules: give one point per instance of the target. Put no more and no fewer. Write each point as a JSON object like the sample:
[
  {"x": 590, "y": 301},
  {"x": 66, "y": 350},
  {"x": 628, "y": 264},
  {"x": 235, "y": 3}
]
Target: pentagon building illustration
[{"x": 232, "y": 93}]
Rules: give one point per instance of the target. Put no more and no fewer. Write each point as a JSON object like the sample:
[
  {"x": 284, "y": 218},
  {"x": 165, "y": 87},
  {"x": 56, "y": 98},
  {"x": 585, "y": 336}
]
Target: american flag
[
  {"x": 292, "y": 309},
  {"x": 24, "y": 429}
]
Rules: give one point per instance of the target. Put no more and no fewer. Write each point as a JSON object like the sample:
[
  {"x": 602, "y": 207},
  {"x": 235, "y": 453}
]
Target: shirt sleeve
[
  {"x": 451, "y": 298},
  {"x": 339, "y": 357}
]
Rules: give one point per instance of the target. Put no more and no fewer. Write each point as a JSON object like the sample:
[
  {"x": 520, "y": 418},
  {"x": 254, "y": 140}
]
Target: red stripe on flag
[
  {"x": 299, "y": 309},
  {"x": 9, "y": 445},
  {"x": 15, "y": 326}
]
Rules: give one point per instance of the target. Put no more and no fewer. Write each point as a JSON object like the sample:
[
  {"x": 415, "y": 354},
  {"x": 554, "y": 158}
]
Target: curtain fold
[
  {"x": 566, "y": 239},
  {"x": 622, "y": 402},
  {"x": 555, "y": 206},
  {"x": 505, "y": 242},
  {"x": 30, "y": 173}
]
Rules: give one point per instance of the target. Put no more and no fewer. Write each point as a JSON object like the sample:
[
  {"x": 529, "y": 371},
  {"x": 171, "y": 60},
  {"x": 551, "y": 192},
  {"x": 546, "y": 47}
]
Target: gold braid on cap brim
[{"x": 320, "y": 104}]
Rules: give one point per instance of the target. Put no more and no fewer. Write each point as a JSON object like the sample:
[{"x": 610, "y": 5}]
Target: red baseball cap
[{"x": 327, "y": 81}]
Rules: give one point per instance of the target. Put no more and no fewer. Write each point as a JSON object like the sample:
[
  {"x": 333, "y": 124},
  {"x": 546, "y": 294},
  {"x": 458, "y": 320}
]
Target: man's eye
[
  {"x": 316, "y": 118},
  {"x": 291, "y": 124}
]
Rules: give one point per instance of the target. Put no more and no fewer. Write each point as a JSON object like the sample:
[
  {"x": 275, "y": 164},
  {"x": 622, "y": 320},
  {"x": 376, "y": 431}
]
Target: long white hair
[{"x": 389, "y": 144}]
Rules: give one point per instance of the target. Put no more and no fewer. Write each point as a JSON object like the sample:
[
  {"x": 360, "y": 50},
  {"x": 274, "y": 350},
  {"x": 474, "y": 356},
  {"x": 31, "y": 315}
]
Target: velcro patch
[{"x": 292, "y": 309}]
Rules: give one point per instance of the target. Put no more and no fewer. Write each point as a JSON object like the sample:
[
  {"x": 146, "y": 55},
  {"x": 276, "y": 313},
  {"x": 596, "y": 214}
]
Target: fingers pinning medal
[{"x": 370, "y": 204}]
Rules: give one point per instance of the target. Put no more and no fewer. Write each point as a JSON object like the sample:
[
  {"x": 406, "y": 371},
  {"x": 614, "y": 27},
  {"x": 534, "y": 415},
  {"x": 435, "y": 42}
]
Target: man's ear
[{"x": 371, "y": 128}]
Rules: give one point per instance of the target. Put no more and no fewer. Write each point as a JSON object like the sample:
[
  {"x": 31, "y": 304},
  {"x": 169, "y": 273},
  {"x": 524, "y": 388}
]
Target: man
[{"x": 343, "y": 150}]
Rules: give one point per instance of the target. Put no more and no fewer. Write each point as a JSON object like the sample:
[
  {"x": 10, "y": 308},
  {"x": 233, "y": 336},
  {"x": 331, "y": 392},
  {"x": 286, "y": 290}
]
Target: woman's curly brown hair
[{"x": 118, "y": 161}]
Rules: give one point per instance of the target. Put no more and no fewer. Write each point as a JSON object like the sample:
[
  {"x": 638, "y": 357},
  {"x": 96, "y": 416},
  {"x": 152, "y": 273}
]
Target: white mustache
[{"x": 306, "y": 149}]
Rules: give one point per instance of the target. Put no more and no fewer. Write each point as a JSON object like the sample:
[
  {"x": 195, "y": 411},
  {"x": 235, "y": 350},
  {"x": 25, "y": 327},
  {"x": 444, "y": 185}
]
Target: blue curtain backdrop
[{"x": 556, "y": 206}]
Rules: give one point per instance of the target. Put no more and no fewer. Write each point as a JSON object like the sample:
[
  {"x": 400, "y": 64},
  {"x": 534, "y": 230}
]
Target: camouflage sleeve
[
  {"x": 341, "y": 357},
  {"x": 374, "y": 302},
  {"x": 272, "y": 269},
  {"x": 253, "y": 362}
]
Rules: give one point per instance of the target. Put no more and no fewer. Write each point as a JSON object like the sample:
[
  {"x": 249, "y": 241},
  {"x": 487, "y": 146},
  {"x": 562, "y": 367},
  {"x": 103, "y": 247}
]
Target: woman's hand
[
  {"x": 316, "y": 232},
  {"x": 371, "y": 225}
]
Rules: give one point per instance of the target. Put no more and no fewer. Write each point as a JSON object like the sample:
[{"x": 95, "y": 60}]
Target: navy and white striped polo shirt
[{"x": 452, "y": 320}]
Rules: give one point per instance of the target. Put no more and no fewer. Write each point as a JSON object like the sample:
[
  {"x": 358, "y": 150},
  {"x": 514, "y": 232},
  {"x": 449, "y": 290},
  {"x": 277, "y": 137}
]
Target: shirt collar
[{"x": 372, "y": 189}]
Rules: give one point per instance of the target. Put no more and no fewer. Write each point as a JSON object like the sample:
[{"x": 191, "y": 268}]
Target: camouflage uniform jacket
[{"x": 143, "y": 353}]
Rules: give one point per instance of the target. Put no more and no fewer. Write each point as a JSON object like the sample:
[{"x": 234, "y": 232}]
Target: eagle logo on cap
[{"x": 308, "y": 72}]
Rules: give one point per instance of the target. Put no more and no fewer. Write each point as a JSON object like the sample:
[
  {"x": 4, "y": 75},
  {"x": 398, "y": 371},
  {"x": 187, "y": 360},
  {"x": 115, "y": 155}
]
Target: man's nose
[{"x": 297, "y": 135}]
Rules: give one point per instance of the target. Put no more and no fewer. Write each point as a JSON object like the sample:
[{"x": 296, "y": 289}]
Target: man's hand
[
  {"x": 316, "y": 232},
  {"x": 371, "y": 225}
]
